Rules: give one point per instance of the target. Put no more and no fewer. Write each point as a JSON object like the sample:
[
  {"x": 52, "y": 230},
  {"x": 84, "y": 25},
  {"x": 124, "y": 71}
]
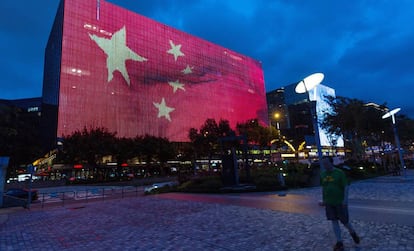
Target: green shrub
[
  {"x": 204, "y": 184},
  {"x": 267, "y": 183}
]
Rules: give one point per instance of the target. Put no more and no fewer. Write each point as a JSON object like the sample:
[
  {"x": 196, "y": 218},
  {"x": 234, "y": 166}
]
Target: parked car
[
  {"x": 156, "y": 186},
  {"x": 22, "y": 193}
]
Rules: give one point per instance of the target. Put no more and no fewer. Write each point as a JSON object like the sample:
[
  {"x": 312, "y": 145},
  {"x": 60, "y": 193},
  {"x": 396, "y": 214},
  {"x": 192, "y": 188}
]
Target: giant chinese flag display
[{"x": 135, "y": 76}]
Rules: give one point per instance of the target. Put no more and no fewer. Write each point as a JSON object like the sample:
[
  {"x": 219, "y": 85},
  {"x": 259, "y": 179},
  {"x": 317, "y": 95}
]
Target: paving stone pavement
[{"x": 157, "y": 223}]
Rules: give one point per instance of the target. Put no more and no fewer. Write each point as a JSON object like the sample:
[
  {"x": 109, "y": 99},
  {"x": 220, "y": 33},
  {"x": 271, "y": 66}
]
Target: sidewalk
[
  {"x": 386, "y": 188},
  {"x": 158, "y": 223}
]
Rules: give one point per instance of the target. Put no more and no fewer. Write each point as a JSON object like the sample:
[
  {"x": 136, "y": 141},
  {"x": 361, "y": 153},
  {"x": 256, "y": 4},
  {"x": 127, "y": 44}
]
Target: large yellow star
[
  {"x": 176, "y": 85},
  {"x": 163, "y": 109},
  {"x": 175, "y": 50},
  {"x": 117, "y": 53}
]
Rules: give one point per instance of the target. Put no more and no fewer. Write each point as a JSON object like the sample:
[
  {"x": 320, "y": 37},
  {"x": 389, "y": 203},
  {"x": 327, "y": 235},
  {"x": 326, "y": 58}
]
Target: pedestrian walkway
[
  {"x": 386, "y": 188},
  {"x": 163, "y": 223}
]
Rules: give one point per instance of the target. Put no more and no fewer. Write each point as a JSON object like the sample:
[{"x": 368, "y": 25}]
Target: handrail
[{"x": 88, "y": 194}]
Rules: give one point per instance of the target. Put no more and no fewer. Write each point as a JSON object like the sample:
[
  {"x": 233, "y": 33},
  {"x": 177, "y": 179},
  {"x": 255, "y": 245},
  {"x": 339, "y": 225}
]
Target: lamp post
[
  {"x": 4, "y": 162},
  {"x": 277, "y": 116},
  {"x": 397, "y": 140},
  {"x": 304, "y": 86}
]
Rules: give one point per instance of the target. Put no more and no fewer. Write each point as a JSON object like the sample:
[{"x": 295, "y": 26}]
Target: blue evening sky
[{"x": 365, "y": 48}]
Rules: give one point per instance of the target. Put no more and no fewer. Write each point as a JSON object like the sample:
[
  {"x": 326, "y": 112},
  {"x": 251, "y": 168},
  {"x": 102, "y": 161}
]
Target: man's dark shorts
[{"x": 337, "y": 212}]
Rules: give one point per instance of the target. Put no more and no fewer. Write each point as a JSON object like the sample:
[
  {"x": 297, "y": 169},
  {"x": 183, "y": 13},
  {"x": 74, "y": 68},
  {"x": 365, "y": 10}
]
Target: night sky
[{"x": 364, "y": 48}]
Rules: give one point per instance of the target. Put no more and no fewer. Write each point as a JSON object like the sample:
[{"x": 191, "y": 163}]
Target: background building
[
  {"x": 108, "y": 67},
  {"x": 277, "y": 109},
  {"x": 29, "y": 105},
  {"x": 20, "y": 132},
  {"x": 295, "y": 115}
]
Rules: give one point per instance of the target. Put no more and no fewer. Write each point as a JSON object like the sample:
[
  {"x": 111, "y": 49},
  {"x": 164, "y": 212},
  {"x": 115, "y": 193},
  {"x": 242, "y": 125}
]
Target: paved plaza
[{"x": 382, "y": 212}]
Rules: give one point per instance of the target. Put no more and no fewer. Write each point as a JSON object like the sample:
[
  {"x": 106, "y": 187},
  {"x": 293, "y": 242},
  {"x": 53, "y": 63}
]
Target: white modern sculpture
[{"x": 304, "y": 86}]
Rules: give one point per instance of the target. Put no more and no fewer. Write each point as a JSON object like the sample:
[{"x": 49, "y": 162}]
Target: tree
[
  {"x": 356, "y": 122},
  {"x": 257, "y": 134},
  {"x": 89, "y": 145},
  {"x": 124, "y": 149},
  {"x": 405, "y": 128},
  {"x": 206, "y": 140},
  {"x": 155, "y": 149},
  {"x": 92, "y": 145}
]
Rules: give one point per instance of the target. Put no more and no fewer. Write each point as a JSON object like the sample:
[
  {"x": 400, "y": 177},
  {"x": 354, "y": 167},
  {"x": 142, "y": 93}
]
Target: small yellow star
[
  {"x": 163, "y": 109},
  {"x": 176, "y": 85},
  {"x": 188, "y": 70}
]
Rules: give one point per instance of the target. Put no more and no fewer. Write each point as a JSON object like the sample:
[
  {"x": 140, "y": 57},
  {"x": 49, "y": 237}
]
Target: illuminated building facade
[{"x": 108, "y": 67}]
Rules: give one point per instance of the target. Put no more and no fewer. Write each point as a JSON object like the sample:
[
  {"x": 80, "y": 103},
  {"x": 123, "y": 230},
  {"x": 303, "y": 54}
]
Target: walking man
[{"x": 335, "y": 199}]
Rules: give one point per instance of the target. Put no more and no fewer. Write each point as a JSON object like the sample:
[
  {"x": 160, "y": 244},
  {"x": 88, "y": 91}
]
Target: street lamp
[
  {"x": 304, "y": 86},
  {"x": 277, "y": 116},
  {"x": 397, "y": 140}
]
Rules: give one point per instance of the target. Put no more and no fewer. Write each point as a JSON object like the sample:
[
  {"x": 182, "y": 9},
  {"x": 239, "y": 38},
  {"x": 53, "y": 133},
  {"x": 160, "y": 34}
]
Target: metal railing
[{"x": 85, "y": 195}]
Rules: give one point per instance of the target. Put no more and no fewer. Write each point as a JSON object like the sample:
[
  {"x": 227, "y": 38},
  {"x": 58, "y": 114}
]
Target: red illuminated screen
[{"x": 135, "y": 76}]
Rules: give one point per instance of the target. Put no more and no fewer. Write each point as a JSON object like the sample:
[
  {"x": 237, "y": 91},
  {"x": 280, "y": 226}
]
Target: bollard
[
  {"x": 43, "y": 200},
  {"x": 4, "y": 162},
  {"x": 282, "y": 180}
]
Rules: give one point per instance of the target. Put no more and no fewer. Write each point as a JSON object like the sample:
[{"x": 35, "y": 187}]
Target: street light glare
[
  {"x": 390, "y": 113},
  {"x": 309, "y": 82}
]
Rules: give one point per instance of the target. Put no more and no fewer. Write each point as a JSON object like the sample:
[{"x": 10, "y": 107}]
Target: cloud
[{"x": 363, "y": 47}]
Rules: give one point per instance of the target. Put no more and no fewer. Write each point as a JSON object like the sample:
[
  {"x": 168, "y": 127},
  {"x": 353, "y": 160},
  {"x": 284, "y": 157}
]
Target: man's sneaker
[
  {"x": 355, "y": 237},
  {"x": 339, "y": 246}
]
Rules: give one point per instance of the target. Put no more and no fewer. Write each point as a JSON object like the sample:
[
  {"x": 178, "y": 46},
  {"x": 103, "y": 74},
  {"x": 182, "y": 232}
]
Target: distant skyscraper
[
  {"x": 277, "y": 108},
  {"x": 298, "y": 114},
  {"x": 108, "y": 67}
]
